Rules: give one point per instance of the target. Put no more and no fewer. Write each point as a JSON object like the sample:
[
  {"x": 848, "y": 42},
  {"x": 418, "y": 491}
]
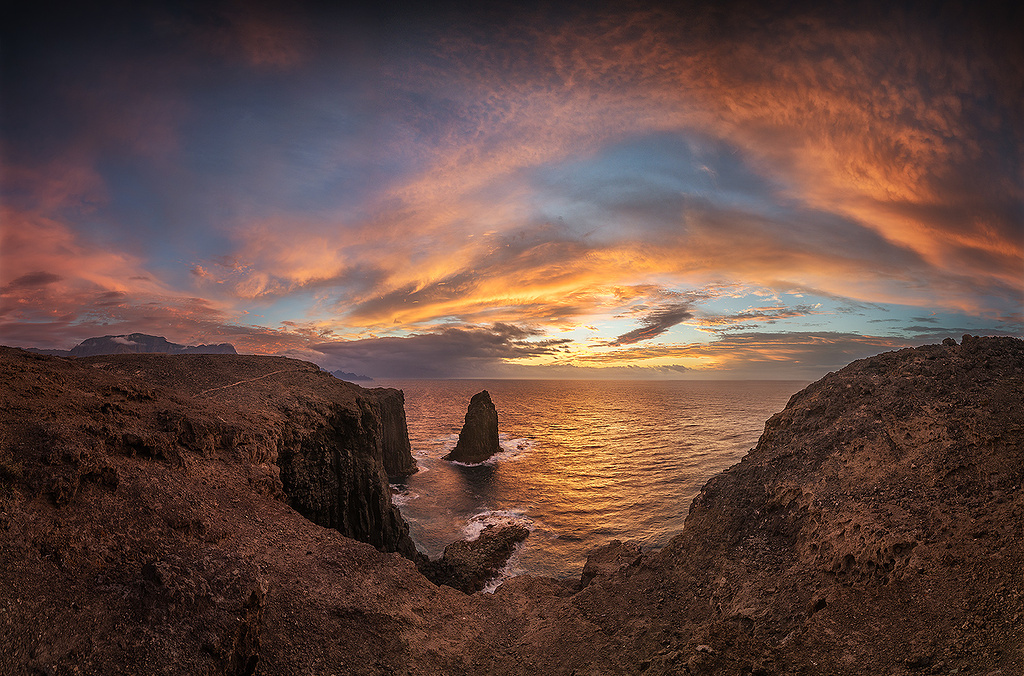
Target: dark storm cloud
[
  {"x": 449, "y": 353},
  {"x": 33, "y": 280}
]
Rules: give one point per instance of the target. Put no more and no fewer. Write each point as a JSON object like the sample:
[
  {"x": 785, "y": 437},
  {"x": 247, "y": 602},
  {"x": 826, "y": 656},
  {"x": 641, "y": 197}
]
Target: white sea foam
[
  {"x": 511, "y": 449},
  {"x": 401, "y": 495}
]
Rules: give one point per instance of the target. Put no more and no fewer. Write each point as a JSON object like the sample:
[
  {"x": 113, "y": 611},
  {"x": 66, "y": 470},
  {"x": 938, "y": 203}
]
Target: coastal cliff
[
  {"x": 146, "y": 528},
  {"x": 319, "y": 443},
  {"x": 396, "y": 451}
]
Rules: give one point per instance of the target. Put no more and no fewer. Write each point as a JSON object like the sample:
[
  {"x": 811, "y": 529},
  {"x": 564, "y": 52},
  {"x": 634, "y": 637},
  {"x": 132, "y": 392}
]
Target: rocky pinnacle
[{"x": 478, "y": 439}]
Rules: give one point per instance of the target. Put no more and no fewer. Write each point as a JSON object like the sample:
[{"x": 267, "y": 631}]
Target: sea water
[{"x": 583, "y": 462}]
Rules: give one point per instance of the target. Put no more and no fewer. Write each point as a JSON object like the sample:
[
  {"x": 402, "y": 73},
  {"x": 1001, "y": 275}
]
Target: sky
[{"x": 520, "y": 190}]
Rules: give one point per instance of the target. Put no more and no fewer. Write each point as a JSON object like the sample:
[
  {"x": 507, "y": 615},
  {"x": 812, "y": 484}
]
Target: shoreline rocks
[
  {"x": 478, "y": 440},
  {"x": 467, "y": 565}
]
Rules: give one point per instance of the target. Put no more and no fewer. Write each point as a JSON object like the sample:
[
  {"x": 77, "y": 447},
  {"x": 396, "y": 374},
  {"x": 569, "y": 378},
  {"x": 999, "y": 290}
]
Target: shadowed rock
[
  {"x": 467, "y": 565},
  {"x": 145, "y": 528},
  {"x": 394, "y": 443},
  {"x": 478, "y": 439}
]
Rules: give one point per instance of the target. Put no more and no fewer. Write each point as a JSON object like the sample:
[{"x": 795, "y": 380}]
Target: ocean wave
[
  {"x": 401, "y": 495},
  {"x": 511, "y": 449},
  {"x": 495, "y": 517}
]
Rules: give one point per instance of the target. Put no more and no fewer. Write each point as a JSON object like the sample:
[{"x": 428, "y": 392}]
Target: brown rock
[
  {"x": 875, "y": 528},
  {"x": 467, "y": 565},
  {"x": 605, "y": 561}
]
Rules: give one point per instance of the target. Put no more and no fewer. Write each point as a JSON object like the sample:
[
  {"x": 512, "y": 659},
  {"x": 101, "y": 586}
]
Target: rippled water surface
[{"x": 584, "y": 462}]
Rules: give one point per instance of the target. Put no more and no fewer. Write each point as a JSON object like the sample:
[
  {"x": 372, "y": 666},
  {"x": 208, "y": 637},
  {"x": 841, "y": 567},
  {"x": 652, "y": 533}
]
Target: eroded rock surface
[
  {"x": 467, "y": 565},
  {"x": 478, "y": 439},
  {"x": 876, "y": 528},
  {"x": 394, "y": 443},
  {"x": 605, "y": 561}
]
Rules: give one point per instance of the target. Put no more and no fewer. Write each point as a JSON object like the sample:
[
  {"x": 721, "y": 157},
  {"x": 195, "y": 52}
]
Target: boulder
[
  {"x": 467, "y": 565},
  {"x": 478, "y": 439}
]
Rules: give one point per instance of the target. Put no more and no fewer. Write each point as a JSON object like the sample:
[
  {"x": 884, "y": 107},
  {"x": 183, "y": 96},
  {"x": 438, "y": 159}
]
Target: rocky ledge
[{"x": 877, "y": 527}]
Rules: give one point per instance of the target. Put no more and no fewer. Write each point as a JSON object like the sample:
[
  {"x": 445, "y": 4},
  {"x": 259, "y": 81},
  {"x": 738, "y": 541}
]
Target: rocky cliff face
[
  {"x": 876, "y": 528},
  {"x": 320, "y": 443},
  {"x": 478, "y": 439},
  {"x": 396, "y": 451}
]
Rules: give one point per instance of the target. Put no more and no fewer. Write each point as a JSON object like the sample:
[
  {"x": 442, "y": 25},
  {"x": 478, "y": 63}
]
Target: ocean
[{"x": 583, "y": 462}]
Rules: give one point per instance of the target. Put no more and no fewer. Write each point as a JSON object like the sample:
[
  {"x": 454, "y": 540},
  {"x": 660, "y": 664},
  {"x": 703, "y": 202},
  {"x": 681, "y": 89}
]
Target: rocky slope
[{"x": 875, "y": 529}]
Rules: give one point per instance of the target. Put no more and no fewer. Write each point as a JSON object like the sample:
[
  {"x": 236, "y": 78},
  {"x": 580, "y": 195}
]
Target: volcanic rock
[
  {"x": 396, "y": 451},
  {"x": 478, "y": 439}
]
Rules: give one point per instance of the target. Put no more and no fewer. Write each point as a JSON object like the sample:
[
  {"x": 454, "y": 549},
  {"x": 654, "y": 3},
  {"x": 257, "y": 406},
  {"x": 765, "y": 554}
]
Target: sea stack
[{"x": 478, "y": 439}]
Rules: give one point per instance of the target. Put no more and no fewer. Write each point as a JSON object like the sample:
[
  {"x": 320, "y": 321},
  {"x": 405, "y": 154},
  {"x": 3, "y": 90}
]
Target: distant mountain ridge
[
  {"x": 351, "y": 377},
  {"x": 136, "y": 343}
]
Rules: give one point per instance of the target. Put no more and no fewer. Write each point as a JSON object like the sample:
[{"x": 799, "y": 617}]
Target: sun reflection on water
[{"x": 584, "y": 462}]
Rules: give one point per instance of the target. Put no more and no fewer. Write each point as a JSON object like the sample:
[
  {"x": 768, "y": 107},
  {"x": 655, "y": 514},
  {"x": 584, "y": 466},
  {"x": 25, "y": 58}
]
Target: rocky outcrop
[
  {"x": 467, "y": 565},
  {"x": 318, "y": 442},
  {"x": 875, "y": 528},
  {"x": 478, "y": 440},
  {"x": 605, "y": 561},
  {"x": 396, "y": 451}
]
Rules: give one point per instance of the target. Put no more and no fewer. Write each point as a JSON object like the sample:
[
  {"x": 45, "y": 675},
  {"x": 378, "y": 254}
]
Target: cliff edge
[{"x": 145, "y": 528}]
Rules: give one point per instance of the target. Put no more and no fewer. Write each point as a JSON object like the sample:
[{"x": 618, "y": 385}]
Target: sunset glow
[{"x": 608, "y": 192}]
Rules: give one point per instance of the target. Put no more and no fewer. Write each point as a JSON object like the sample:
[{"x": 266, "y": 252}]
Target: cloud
[
  {"x": 654, "y": 324},
  {"x": 554, "y": 169},
  {"x": 788, "y": 354},
  {"x": 804, "y": 98},
  {"x": 448, "y": 353},
  {"x": 33, "y": 279},
  {"x": 769, "y": 315}
]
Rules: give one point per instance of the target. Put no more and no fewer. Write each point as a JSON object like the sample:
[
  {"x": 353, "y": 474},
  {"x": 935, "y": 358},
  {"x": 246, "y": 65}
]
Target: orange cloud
[
  {"x": 793, "y": 353},
  {"x": 816, "y": 103}
]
